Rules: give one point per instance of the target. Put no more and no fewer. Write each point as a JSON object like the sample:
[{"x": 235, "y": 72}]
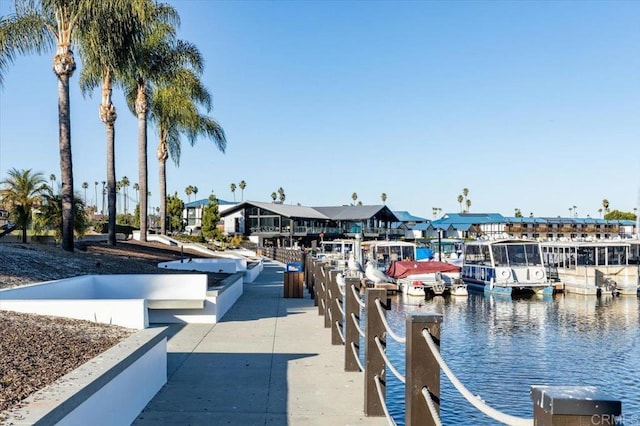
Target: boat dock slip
[{"x": 269, "y": 361}]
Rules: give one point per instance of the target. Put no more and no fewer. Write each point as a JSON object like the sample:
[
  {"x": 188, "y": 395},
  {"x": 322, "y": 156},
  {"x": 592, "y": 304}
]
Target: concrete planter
[{"x": 112, "y": 388}]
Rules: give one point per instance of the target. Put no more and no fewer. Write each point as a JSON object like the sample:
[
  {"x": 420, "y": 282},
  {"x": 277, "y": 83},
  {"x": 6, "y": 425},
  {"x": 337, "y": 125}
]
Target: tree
[
  {"x": 210, "y": 219},
  {"x": 95, "y": 186},
  {"x": 150, "y": 64},
  {"x": 233, "y": 191},
  {"x": 124, "y": 182},
  {"x": 383, "y": 197},
  {"x": 281, "y": 196},
  {"x": 354, "y": 197},
  {"x": 108, "y": 52},
  {"x": 600, "y": 212},
  {"x": 195, "y": 192},
  {"x": 23, "y": 190},
  {"x": 274, "y": 196},
  {"x": 85, "y": 185},
  {"x": 176, "y": 112},
  {"x": 468, "y": 204},
  {"x": 175, "y": 208},
  {"x": 605, "y": 205},
  {"x": 619, "y": 215},
  {"x": 518, "y": 213},
  {"x": 465, "y": 192},
  {"x": 52, "y": 178},
  {"x": 460, "y": 200},
  {"x": 51, "y": 215},
  {"x": 242, "y": 185},
  {"x": 136, "y": 187}
]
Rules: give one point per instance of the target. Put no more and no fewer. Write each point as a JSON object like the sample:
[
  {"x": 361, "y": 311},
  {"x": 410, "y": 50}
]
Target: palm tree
[
  {"x": 274, "y": 196},
  {"x": 96, "y": 199},
  {"x": 51, "y": 215},
  {"x": 104, "y": 192},
  {"x": 600, "y": 213},
  {"x": 460, "y": 200},
  {"x": 136, "y": 188},
  {"x": 107, "y": 55},
  {"x": 383, "y": 197},
  {"x": 281, "y": 195},
  {"x": 124, "y": 182},
  {"x": 570, "y": 211},
  {"x": 465, "y": 192},
  {"x": 468, "y": 204},
  {"x": 233, "y": 191},
  {"x": 85, "y": 185},
  {"x": 188, "y": 190},
  {"x": 150, "y": 63},
  {"x": 52, "y": 178},
  {"x": 23, "y": 190},
  {"x": 36, "y": 27},
  {"x": 575, "y": 211},
  {"x": 354, "y": 197},
  {"x": 605, "y": 204},
  {"x": 195, "y": 192},
  {"x": 175, "y": 110},
  {"x": 242, "y": 185}
]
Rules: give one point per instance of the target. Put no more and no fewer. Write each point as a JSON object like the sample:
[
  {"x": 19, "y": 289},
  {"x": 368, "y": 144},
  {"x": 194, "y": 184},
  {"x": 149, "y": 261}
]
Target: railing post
[
  {"x": 320, "y": 280},
  {"x": 335, "y": 299},
  {"x": 351, "y": 335},
  {"x": 574, "y": 406},
  {"x": 326, "y": 279},
  {"x": 374, "y": 362},
  {"x": 422, "y": 369}
]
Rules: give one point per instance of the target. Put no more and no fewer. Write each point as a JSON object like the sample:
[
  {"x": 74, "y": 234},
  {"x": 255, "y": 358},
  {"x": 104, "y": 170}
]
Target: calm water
[{"x": 498, "y": 347}]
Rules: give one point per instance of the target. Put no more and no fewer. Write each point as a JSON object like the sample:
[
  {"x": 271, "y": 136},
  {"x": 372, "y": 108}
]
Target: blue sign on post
[{"x": 294, "y": 267}]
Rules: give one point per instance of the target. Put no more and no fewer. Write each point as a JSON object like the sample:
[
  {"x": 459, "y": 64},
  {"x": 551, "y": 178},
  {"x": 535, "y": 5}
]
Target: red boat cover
[{"x": 404, "y": 268}]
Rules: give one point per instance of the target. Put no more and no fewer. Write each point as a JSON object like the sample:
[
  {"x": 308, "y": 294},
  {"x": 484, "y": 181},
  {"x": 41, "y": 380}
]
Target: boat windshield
[{"x": 516, "y": 254}]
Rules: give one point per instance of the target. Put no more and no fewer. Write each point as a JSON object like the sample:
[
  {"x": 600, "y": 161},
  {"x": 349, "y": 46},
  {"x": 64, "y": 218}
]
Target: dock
[{"x": 269, "y": 361}]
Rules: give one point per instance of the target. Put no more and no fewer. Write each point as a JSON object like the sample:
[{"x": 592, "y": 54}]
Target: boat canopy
[{"x": 402, "y": 268}]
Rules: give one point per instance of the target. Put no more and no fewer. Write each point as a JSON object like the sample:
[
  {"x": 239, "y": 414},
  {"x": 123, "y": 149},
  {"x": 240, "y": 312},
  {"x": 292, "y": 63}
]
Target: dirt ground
[{"x": 36, "y": 350}]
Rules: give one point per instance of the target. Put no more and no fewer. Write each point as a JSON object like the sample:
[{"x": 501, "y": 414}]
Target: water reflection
[{"x": 499, "y": 346}]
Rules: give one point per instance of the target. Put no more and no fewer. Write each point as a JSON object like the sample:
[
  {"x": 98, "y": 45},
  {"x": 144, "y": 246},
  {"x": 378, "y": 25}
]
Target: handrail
[
  {"x": 339, "y": 328},
  {"x": 356, "y": 357},
  {"x": 383, "y": 402},
  {"x": 431, "y": 405},
  {"x": 339, "y": 305},
  {"x": 357, "y": 297},
  {"x": 474, "y": 400},
  {"x": 388, "y": 362},
  {"x": 355, "y": 323},
  {"x": 387, "y": 327}
]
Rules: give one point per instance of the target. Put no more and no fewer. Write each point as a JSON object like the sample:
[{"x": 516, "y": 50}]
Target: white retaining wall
[{"x": 112, "y": 388}]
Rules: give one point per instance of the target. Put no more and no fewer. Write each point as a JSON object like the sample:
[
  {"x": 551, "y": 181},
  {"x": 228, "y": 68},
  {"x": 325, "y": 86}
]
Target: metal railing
[{"x": 344, "y": 310}]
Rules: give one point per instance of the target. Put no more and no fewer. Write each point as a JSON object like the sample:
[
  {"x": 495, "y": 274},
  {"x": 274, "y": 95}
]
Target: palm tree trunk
[
  {"x": 143, "y": 173},
  {"x": 63, "y": 66},
  {"x": 162, "y": 159},
  {"x": 107, "y": 112}
]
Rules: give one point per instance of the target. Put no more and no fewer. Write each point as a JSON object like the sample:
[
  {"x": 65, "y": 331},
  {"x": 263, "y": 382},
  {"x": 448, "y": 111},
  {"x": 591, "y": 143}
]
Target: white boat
[
  {"x": 592, "y": 267},
  {"x": 383, "y": 253},
  {"x": 427, "y": 278},
  {"x": 506, "y": 266}
]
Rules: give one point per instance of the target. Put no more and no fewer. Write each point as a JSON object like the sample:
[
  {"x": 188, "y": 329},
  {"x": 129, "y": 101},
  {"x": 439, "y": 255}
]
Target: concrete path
[{"x": 268, "y": 362}]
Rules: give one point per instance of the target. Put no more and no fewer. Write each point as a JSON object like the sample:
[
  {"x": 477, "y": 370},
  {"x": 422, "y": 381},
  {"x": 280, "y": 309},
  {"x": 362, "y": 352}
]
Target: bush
[{"x": 127, "y": 230}]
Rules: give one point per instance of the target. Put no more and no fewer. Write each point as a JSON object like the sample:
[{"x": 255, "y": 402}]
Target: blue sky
[{"x": 529, "y": 105}]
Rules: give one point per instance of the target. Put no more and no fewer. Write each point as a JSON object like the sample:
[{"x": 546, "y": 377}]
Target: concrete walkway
[{"x": 268, "y": 362}]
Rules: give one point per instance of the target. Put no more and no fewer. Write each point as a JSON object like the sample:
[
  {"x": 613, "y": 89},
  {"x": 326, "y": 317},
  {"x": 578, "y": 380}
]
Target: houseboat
[
  {"x": 506, "y": 266},
  {"x": 427, "y": 278},
  {"x": 592, "y": 267},
  {"x": 336, "y": 249}
]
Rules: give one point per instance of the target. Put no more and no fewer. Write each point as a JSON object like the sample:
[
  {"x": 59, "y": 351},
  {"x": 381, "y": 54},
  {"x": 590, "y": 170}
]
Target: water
[{"x": 498, "y": 347}]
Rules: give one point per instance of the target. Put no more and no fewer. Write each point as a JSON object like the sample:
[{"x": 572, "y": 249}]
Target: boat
[
  {"x": 384, "y": 253},
  {"x": 592, "y": 267},
  {"x": 427, "y": 278},
  {"x": 507, "y": 266},
  {"x": 447, "y": 250}
]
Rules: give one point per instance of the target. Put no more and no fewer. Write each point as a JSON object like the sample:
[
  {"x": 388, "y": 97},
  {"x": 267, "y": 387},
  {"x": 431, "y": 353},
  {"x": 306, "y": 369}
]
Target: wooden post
[
  {"x": 335, "y": 303},
  {"x": 320, "y": 280},
  {"x": 573, "y": 406},
  {"x": 374, "y": 362},
  {"x": 351, "y": 335},
  {"x": 326, "y": 279},
  {"x": 422, "y": 369}
]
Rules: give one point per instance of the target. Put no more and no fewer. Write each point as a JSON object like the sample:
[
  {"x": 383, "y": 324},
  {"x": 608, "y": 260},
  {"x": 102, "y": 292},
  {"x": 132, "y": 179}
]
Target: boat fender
[
  {"x": 504, "y": 273},
  {"x": 538, "y": 274}
]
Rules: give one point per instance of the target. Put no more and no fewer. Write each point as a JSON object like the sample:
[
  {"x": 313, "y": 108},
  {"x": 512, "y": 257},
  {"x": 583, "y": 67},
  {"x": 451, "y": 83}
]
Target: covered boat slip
[
  {"x": 592, "y": 267},
  {"x": 505, "y": 266}
]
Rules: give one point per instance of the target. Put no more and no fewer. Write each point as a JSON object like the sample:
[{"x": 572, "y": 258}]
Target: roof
[
  {"x": 357, "y": 212},
  {"x": 404, "y": 216},
  {"x": 205, "y": 201}
]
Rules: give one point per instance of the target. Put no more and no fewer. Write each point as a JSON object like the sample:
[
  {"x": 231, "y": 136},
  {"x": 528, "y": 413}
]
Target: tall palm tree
[
  {"x": 188, "y": 190},
  {"x": 468, "y": 204},
  {"x": 281, "y": 195},
  {"x": 465, "y": 192},
  {"x": 605, "y": 205},
  {"x": 107, "y": 56},
  {"x": 125, "y": 185},
  {"x": 52, "y": 178},
  {"x": 242, "y": 185},
  {"x": 23, "y": 192},
  {"x": 274, "y": 196},
  {"x": 85, "y": 185},
  {"x": 233, "y": 191},
  {"x": 150, "y": 65},
  {"x": 460, "y": 200},
  {"x": 195, "y": 192},
  {"x": 175, "y": 110},
  {"x": 383, "y": 197},
  {"x": 96, "y": 199},
  {"x": 136, "y": 188},
  {"x": 354, "y": 197}
]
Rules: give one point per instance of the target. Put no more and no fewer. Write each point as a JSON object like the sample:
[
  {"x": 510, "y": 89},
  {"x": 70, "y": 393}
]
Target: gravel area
[{"x": 36, "y": 350}]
